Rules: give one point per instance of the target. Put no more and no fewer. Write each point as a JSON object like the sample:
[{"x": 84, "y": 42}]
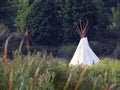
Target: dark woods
[{"x": 51, "y": 22}]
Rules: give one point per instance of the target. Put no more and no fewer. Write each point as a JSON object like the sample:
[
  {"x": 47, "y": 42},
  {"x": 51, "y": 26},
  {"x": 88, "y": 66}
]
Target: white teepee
[{"x": 83, "y": 54}]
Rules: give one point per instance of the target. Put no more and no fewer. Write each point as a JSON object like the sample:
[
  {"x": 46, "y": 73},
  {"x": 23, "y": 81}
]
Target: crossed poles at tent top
[{"x": 82, "y": 28}]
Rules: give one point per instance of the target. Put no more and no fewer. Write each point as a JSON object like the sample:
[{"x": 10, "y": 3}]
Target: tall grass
[{"x": 40, "y": 71}]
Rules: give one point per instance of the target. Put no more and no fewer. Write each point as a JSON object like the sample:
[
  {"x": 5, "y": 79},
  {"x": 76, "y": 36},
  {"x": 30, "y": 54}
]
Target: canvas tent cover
[{"x": 84, "y": 54}]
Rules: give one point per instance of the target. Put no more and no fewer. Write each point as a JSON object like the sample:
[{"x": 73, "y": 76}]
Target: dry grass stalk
[
  {"x": 2, "y": 32},
  {"x": 5, "y": 48},
  {"x": 95, "y": 82},
  {"x": 36, "y": 74},
  {"x": 51, "y": 56},
  {"x": 35, "y": 78},
  {"x": 32, "y": 61},
  {"x": 68, "y": 81},
  {"x": 5, "y": 51},
  {"x": 11, "y": 76},
  {"x": 42, "y": 61},
  {"x": 27, "y": 40},
  {"x": 22, "y": 40},
  {"x": 110, "y": 87},
  {"x": 81, "y": 78},
  {"x": 41, "y": 78},
  {"x": 21, "y": 43}
]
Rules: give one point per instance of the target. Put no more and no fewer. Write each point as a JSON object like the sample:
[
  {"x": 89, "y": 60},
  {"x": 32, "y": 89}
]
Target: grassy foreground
[{"x": 43, "y": 72}]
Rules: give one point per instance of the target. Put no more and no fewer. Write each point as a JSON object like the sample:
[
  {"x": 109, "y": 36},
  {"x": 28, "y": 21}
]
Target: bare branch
[{"x": 2, "y": 32}]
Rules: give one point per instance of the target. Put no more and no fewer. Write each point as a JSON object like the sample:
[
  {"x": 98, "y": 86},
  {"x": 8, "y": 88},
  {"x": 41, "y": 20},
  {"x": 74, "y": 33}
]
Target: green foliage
[
  {"x": 115, "y": 16},
  {"x": 40, "y": 72},
  {"x": 74, "y": 11},
  {"x": 103, "y": 48},
  {"x": 66, "y": 51},
  {"x": 2, "y": 26},
  {"x": 116, "y": 52},
  {"x": 51, "y": 22},
  {"x": 23, "y": 10},
  {"x": 44, "y": 22}
]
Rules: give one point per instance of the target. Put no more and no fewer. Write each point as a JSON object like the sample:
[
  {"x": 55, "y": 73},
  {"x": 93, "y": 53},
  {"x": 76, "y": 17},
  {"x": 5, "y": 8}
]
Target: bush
[
  {"x": 116, "y": 53},
  {"x": 97, "y": 47},
  {"x": 36, "y": 72},
  {"x": 104, "y": 48},
  {"x": 66, "y": 51}
]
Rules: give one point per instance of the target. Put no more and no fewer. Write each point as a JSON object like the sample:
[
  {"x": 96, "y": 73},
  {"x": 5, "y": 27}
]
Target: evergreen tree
[
  {"x": 45, "y": 24},
  {"x": 92, "y": 10},
  {"x": 51, "y": 22},
  {"x": 7, "y": 14}
]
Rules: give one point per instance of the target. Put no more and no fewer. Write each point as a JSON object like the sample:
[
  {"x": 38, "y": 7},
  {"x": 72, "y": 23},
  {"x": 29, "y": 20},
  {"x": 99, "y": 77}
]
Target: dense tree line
[
  {"x": 7, "y": 14},
  {"x": 51, "y": 22}
]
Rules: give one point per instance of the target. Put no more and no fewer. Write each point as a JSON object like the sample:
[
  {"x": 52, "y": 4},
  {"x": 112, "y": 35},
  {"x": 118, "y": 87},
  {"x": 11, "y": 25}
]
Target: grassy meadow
[{"x": 40, "y": 71}]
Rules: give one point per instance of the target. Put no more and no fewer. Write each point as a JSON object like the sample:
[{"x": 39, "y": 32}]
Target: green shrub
[
  {"x": 40, "y": 72},
  {"x": 66, "y": 51},
  {"x": 105, "y": 48},
  {"x": 95, "y": 47},
  {"x": 116, "y": 53}
]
